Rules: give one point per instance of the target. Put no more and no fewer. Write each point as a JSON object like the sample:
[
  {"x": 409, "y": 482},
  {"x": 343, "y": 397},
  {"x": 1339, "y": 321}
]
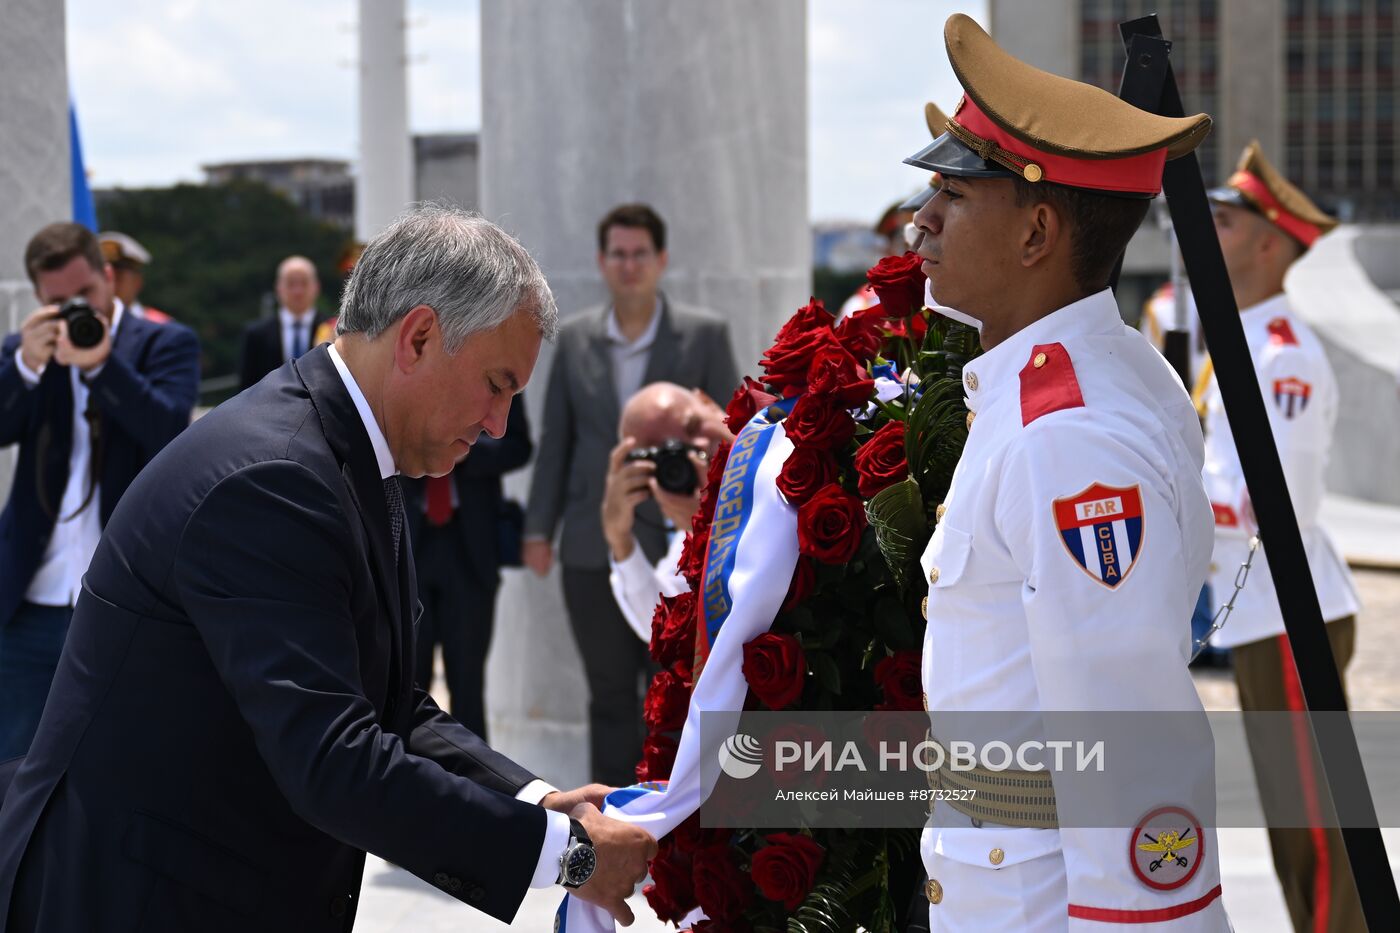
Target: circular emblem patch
[{"x": 1166, "y": 848}]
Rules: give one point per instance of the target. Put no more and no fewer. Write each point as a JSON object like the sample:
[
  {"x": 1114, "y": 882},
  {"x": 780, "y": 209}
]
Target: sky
[{"x": 164, "y": 86}]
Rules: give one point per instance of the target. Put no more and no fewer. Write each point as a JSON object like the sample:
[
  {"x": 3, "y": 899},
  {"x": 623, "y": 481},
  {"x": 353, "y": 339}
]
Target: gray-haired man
[{"x": 229, "y": 733}]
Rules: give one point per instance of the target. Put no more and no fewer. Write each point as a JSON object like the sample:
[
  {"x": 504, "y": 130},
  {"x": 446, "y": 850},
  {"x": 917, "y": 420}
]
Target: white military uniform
[
  {"x": 1075, "y": 540},
  {"x": 1300, "y": 395},
  {"x": 1158, "y": 315}
]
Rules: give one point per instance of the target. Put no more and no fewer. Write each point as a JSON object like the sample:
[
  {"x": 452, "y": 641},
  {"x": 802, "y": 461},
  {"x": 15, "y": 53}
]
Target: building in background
[
  {"x": 445, "y": 167},
  {"x": 323, "y": 188}
]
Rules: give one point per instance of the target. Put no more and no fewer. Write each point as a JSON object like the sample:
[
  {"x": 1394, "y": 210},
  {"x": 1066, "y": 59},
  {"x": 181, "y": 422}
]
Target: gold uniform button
[
  {"x": 923, "y": 607},
  {"x": 934, "y": 891},
  {"x": 1273, "y": 214},
  {"x": 932, "y": 576},
  {"x": 1039, "y": 360},
  {"x": 971, "y": 381},
  {"x": 996, "y": 856},
  {"x": 970, "y": 416},
  {"x": 1032, "y": 172},
  {"x": 941, "y": 511}
]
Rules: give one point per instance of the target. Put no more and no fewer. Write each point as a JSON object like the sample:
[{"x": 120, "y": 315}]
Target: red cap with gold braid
[{"x": 1018, "y": 121}]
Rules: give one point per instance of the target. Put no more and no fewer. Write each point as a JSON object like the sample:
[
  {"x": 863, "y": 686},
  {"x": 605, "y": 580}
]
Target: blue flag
[{"x": 83, "y": 210}]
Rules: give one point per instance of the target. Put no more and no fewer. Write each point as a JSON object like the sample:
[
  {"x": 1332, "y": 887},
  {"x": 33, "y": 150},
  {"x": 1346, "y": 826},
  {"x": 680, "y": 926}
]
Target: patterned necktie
[{"x": 393, "y": 495}]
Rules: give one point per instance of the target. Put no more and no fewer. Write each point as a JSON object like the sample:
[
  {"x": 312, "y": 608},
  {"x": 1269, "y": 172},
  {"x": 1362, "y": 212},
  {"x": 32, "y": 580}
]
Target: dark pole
[{"x": 1345, "y": 778}]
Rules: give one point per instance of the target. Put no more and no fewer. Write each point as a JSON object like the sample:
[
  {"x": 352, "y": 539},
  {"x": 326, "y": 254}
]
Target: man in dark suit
[
  {"x": 289, "y": 333},
  {"x": 235, "y": 720},
  {"x": 604, "y": 356},
  {"x": 455, "y": 522},
  {"x": 86, "y": 420}
]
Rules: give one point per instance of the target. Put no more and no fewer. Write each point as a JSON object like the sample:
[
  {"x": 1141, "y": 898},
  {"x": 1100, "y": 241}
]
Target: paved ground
[{"x": 396, "y": 902}]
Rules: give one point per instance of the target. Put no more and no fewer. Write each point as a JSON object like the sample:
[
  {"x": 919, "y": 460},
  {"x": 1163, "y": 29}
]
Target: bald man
[
  {"x": 269, "y": 343},
  {"x": 659, "y": 412}
]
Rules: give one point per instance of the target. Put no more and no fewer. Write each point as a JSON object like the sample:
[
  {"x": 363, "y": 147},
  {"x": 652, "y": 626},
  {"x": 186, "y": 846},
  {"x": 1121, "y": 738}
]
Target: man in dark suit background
[
  {"x": 289, "y": 333},
  {"x": 235, "y": 720},
  {"x": 604, "y": 356},
  {"x": 455, "y": 523},
  {"x": 86, "y": 421}
]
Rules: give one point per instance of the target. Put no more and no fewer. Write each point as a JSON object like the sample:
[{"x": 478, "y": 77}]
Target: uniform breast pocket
[{"x": 945, "y": 560}]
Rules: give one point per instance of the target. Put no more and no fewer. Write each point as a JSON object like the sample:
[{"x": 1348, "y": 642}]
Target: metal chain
[{"x": 1222, "y": 614}]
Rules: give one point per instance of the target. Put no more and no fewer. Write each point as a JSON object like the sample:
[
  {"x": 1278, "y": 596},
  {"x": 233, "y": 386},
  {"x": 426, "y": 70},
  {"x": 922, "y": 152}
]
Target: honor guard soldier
[
  {"x": 1265, "y": 224},
  {"x": 1076, "y": 533},
  {"x": 129, "y": 260}
]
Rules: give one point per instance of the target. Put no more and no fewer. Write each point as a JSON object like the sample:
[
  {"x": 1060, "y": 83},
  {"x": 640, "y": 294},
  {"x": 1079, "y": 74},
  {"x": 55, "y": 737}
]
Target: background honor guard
[
  {"x": 1076, "y": 532},
  {"x": 1265, "y": 224},
  {"x": 129, "y": 260}
]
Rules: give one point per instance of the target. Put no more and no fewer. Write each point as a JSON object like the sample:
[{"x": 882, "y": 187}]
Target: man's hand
[
  {"x": 38, "y": 337},
  {"x": 564, "y": 801},
  {"x": 538, "y": 555},
  {"x": 628, "y": 485},
  {"x": 622, "y": 851},
  {"x": 676, "y": 507},
  {"x": 85, "y": 360}
]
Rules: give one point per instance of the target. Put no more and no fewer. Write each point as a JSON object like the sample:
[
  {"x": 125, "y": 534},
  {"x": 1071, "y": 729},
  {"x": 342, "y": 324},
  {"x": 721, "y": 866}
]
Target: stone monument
[{"x": 699, "y": 110}]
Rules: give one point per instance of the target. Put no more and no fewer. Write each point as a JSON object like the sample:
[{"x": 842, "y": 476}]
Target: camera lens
[{"x": 85, "y": 328}]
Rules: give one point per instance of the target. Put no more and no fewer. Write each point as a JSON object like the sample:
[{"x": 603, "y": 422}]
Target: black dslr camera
[
  {"x": 85, "y": 328},
  {"x": 674, "y": 471}
]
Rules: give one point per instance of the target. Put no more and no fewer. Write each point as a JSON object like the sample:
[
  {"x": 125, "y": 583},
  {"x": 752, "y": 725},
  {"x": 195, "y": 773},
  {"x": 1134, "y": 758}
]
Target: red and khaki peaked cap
[
  {"x": 937, "y": 120},
  {"x": 1018, "y": 121},
  {"x": 1260, "y": 187}
]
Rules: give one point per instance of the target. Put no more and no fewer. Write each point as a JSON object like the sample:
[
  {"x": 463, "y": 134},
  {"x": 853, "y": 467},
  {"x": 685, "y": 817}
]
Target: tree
[{"x": 215, "y": 251}]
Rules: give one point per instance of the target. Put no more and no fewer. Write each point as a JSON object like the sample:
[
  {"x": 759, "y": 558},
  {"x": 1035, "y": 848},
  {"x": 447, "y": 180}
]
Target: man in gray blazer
[{"x": 603, "y": 357}]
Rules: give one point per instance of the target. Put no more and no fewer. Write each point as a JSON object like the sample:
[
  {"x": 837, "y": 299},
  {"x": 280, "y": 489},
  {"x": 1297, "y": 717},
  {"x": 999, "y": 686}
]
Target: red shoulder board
[
  {"x": 1281, "y": 333},
  {"x": 1048, "y": 383}
]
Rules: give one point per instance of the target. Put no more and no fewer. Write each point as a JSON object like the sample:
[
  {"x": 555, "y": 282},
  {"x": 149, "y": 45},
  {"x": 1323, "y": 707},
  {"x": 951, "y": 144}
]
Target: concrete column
[
  {"x": 1253, "y": 84},
  {"x": 384, "y": 183},
  {"x": 35, "y": 185},
  {"x": 699, "y": 110}
]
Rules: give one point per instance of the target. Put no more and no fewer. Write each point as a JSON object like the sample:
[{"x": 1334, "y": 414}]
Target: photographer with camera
[
  {"x": 668, "y": 434},
  {"x": 90, "y": 394}
]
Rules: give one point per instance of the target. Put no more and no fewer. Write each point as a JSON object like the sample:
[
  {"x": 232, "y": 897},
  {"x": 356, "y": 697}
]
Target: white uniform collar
[
  {"x": 376, "y": 436},
  {"x": 998, "y": 370},
  {"x": 1266, "y": 310}
]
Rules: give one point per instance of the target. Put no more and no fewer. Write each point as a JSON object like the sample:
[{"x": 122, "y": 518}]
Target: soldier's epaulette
[
  {"x": 1281, "y": 333},
  {"x": 1048, "y": 383}
]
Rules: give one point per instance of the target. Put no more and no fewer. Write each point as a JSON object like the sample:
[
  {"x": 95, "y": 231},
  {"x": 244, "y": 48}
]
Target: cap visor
[
  {"x": 1227, "y": 195},
  {"x": 920, "y": 199},
  {"x": 948, "y": 155}
]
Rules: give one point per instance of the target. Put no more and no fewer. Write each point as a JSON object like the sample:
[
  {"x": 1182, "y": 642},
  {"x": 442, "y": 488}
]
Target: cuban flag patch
[
  {"x": 1291, "y": 395},
  {"x": 1102, "y": 530}
]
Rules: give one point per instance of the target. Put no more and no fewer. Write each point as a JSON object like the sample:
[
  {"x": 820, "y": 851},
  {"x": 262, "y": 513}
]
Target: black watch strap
[{"x": 576, "y": 831}]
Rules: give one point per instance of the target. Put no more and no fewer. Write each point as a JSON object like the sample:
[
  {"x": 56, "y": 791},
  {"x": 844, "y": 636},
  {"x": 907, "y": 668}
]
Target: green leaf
[{"x": 897, "y": 515}]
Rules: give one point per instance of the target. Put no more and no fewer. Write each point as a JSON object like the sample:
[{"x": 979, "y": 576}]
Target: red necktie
[{"x": 439, "y": 499}]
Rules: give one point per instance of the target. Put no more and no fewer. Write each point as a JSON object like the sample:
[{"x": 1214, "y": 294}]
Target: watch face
[{"x": 581, "y": 864}]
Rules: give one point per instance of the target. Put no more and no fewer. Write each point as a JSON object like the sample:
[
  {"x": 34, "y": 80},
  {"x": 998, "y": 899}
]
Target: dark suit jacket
[
  {"x": 478, "y": 483},
  {"x": 145, "y": 393},
  {"x": 581, "y": 412},
  {"x": 233, "y": 721},
  {"x": 262, "y": 348}
]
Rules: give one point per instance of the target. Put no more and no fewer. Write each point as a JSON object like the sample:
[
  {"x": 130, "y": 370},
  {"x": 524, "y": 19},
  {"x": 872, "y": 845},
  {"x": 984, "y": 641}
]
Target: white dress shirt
[
  {"x": 75, "y": 534},
  {"x": 1301, "y": 398},
  {"x": 290, "y": 323},
  {"x": 556, "y": 836},
  {"x": 629, "y": 358},
  {"x": 638, "y": 586}
]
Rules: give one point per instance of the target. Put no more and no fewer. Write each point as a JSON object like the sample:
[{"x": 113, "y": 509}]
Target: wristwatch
[{"x": 578, "y": 861}]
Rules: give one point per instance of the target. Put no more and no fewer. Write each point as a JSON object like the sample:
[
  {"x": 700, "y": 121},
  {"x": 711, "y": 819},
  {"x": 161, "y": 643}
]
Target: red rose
[
  {"x": 723, "y": 890},
  {"x": 667, "y": 699},
  {"x": 804, "y": 577},
  {"x": 776, "y": 668},
  {"x": 880, "y": 461},
  {"x": 898, "y": 282},
  {"x": 658, "y": 757},
  {"x": 806, "y": 470},
  {"x": 749, "y": 399},
  {"x": 829, "y": 525},
  {"x": 812, "y": 316},
  {"x": 786, "y": 868},
  {"x": 901, "y": 680},
  {"x": 690, "y": 836},
  {"x": 673, "y": 629},
  {"x": 862, "y": 333},
  {"x": 700, "y": 521},
  {"x": 836, "y": 373},
  {"x": 672, "y": 893},
  {"x": 819, "y": 421},
  {"x": 785, "y": 364},
  {"x": 794, "y": 773}
]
